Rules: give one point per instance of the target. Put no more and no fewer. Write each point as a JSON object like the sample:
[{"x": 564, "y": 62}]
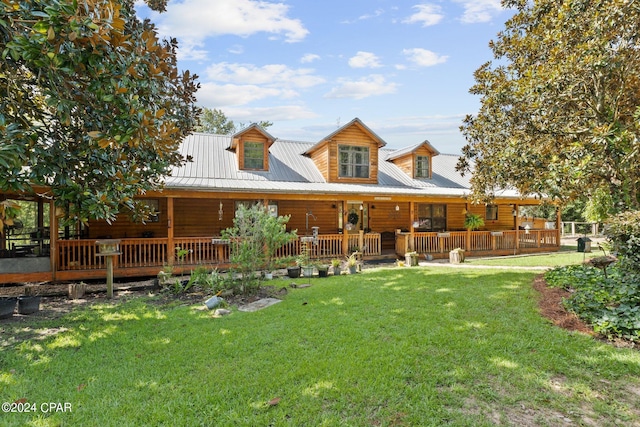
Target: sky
[{"x": 402, "y": 67}]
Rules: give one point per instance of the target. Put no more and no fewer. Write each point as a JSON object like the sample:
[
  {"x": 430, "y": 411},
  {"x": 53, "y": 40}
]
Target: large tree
[
  {"x": 92, "y": 105},
  {"x": 558, "y": 111},
  {"x": 215, "y": 121}
]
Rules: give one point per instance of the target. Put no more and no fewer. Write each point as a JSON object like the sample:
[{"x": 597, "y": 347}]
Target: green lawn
[
  {"x": 544, "y": 260},
  {"x": 426, "y": 346}
]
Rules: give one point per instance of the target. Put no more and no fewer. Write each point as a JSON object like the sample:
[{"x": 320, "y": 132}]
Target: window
[
  {"x": 491, "y": 213},
  {"x": 422, "y": 167},
  {"x": 253, "y": 155},
  {"x": 431, "y": 217},
  {"x": 353, "y": 161}
]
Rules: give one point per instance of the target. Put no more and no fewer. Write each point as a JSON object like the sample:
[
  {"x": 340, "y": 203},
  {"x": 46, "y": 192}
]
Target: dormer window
[
  {"x": 353, "y": 161},
  {"x": 422, "y": 167},
  {"x": 253, "y": 155}
]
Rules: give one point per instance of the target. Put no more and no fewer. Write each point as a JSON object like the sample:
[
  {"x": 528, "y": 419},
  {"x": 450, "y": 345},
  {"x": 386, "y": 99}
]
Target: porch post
[
  {"x": 345, "y": 234},
  {"x": 558, "y": 224},
  {"x": 467, "y": 243},
  {"x": 53, "y": 239},
  {"x": 170, "y": 223},
  {"x": 412, "y": 208},
  {"x": 516, "y": 207}
]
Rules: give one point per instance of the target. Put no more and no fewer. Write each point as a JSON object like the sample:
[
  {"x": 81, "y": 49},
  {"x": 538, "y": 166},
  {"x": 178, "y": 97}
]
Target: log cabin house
[{"x": 357, "y": 194}]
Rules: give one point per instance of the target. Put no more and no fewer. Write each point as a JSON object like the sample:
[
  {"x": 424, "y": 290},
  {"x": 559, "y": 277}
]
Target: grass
[
  {"x": 399, "y": 346},
  {"x": 558, "y": 259}
]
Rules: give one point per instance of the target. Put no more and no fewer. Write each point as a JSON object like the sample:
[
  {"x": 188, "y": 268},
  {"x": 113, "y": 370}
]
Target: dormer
[
  {"x": 251, "y": 146},
  {"x": 415, "y": 161},
  {"x": 348, "y": 155}
]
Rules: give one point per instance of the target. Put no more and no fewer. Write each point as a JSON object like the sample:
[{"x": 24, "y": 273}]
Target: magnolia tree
[
  {"x": 92, "y": 105},
  {"x": 558, "y": 112}
]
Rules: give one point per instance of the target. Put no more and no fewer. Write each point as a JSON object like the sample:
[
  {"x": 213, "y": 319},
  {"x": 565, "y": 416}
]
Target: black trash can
[{"x": 584, "y": 244}]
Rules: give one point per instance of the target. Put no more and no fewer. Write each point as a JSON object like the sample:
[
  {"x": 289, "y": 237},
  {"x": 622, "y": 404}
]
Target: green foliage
[
  {"x": 206, "y": 279},
  {"x": 92, "y": 105},
  {"x": 623, "y": 233},
  {"x": 473, "y": 221},
  {"x": 254, "y": 240},
  {"x": 558, "y": 106},
  {"x": 610, "y": 304},
  {"x": 215, "y": 121}
]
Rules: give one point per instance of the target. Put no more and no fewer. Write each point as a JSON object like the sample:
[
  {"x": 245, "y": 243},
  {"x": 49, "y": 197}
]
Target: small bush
[{"x": 610, "y": 304}]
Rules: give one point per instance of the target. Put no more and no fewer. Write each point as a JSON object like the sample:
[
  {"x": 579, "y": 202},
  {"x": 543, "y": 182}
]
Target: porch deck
[{"x": 77, "y": 260}]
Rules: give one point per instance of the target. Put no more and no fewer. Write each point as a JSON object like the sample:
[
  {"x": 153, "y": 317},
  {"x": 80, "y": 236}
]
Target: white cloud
[
  {"x": 227, "y": 95},
  {"x": 364, "y": 60},
  {"x": 424, "y": 57},
  {"x": 236, "y": 49},
  {"x": 193, "y": 21},
  {"x": 427, "y": 14},
  {"x": 275, "y": 75},
  {"x": 476, "y": 11},
  {"x": 272, "y": 114},
  {"x": 309, "y": 57},
  {"x": 372, "y": 85}
]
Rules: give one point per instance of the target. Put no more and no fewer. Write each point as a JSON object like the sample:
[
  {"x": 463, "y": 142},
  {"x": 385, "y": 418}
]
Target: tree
[
  {"x": 215, "y": 121},
  {"x": 92, "y": 106},
  {"x": 558, "y": 114}
]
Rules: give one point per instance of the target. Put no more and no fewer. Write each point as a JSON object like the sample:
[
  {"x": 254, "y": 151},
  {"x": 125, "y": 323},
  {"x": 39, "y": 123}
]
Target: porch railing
[
  {"x": 154, "y": 252},
  {"x": 483, "y": 241}
]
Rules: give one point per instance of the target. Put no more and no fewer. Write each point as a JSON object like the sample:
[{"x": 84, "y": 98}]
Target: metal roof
[{"x": 214, "y": 168}]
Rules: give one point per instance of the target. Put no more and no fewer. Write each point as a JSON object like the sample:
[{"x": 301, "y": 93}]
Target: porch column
[
  {"x": 558, "y": 224},
  {"x": 170, "y": 223},
  {"x": 53, "y": 239},
  {"x": 467, "y": 243},
  {"x": 516, "y": 208},
  {"x": 412, "y": 210},
  {"x": 345, "y": 235}
]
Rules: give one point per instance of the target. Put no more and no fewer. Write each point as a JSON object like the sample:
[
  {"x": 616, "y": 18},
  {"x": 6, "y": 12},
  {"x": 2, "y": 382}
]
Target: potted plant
[
  {"x": 323, "y": 270},
  {"x": 304, "y": 260},
  {"x": 352, "y": 263},
  {"x": 473, "y": 221},
  {"x": 7, "y": 306},
  {"x": 336, "y": 263}
]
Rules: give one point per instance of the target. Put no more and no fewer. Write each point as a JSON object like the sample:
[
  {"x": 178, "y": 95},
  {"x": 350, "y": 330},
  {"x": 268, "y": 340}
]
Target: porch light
[
  {"x": 526, "y": 229},
  {"x": 361, "y": 207},
  {"x": 220, "y": 212},
  {"x": 397, "y": 208}
]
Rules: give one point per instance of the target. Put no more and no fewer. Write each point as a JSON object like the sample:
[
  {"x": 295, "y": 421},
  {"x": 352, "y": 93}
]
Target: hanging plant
[{"x": 353, "y": 218}]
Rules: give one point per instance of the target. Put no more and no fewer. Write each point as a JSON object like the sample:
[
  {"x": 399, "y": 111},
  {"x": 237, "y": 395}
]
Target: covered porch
[{"x": 376, "y": 226}]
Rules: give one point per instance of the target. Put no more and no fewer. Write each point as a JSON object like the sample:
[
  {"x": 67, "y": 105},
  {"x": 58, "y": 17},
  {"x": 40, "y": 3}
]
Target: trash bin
[{"x": 584, "y": 244}]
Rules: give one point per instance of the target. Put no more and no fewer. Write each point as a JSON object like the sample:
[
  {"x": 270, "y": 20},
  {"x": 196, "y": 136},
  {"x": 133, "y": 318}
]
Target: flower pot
[
  {"x": 323, "y": 271},
  {"x": 307, "y": 271},
  {"x": 411, "y": 259},
  {"x": 28, "y": 305},
  {"x": 268, "y": 276},
  {"x": 293, "y": 272},
  {"x": 7, "y": 306},
  {"x": 353, "y": 269},
  {"x": 337, "y": 271}
]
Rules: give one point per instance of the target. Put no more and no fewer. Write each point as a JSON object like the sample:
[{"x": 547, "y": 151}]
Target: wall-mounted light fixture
[
  {"x": 361, "y": 207},
  {"x": 220, "y": 212},
  {"x": 397, "y": 208}
]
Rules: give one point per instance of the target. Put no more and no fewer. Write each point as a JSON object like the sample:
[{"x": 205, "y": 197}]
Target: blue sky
[{"x": 403, "y": 67}]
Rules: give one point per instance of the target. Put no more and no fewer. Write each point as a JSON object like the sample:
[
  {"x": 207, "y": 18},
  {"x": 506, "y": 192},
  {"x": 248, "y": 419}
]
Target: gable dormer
[
  {"x": 348, "y": 155},
  {"x": 416, "y": 161},
  {"x": 251, "y": 146}
]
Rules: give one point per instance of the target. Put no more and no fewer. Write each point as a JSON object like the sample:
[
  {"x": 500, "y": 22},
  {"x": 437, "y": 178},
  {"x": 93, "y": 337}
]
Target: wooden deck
[{"x": 78, "y": 260}]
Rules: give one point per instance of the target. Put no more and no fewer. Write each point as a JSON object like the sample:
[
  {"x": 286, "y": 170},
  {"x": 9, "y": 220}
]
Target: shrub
[{"x": 623, "y": 232}]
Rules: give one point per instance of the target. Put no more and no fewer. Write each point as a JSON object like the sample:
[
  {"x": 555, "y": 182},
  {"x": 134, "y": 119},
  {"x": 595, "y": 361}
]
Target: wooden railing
[
  {"x": 153, "y": 252},
  {"x": 480, "y": 241}
]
